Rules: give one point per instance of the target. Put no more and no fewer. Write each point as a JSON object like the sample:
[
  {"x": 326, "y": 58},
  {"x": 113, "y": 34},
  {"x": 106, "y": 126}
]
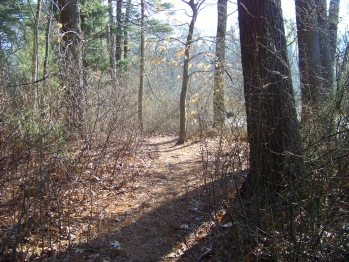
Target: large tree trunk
[
  {"x": 142, "y": 71},
  {"x": 272, "y": 125},
  {"x": 218, "y": 88},
  {"x": 73, "y": 75},
  {"x": 309, "y": 57},
  {"x": 182, "y": 102}
]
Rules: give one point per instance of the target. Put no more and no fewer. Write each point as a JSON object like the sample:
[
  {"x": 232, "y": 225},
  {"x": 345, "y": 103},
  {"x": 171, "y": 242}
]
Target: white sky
[{"x": 207, "y": 18}]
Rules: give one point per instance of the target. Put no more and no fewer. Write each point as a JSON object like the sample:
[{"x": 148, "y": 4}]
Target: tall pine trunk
[
  {"x": 272, "y": 125},
  {"x": 218, "y": 87},
  {"x": 47, "y": 35},
  {"x": 73, "y": 75},
  {"x": 111, "y": 40},
  {"x": 142, "y": 72},
  {"x": 35, "y": 56},
  {"x": 126, "y": 28},
  {"x": 309, "y": 58},
  {"x": 325, "y": 48},
  {"x": 333, "y": 18},
  {"x": 118, "y": 39}
]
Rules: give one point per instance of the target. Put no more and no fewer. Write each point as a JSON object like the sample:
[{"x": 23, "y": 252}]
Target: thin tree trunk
[
  {"x": 142, "y": 71},
  {"x": 111, "y": 40},
  {"x": 118, "y": 41},
  {"x": 126, "y": 25},
  {"x": 182, "y": 102},
  {"x": 218, "y": 87},
  {"x": 47, "y": 35},
  {"x": 35, "y": 57},
  {"x": 333, "y": 19}
]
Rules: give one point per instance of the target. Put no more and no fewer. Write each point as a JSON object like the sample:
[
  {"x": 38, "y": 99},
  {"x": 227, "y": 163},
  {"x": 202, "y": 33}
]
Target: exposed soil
[{"x": 160, "y": 216}]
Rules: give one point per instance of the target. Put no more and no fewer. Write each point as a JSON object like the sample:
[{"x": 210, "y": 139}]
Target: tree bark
[
  {"x": 118, "y": 41},
  {"x": 73, "y": 75},
  {"x": 272, "y": 125},
  {"x": 218, "y": 89},
  {"x": 142, "y": 71},
  {"x": 126, "y": 25},
  {"x": 309, "y": 57},
  {"x": 111, "y": 40},
  {"x": 333, "y": 18},
  {"x": 325, "y": 49},
  {"x": 182, "y": 102},
  {"x": 47, "y": 35},
  {"x": 35, "y": 57}
]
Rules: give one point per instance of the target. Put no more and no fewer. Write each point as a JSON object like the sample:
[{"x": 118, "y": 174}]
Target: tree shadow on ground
[
  {"x": 172, "y": 148},
  {"x": 150, "y": 237},
  {"x": 159, "y": 217}
]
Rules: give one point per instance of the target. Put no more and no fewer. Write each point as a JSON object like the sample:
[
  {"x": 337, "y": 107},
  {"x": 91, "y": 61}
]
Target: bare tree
[{"x": 194, "y": 6}]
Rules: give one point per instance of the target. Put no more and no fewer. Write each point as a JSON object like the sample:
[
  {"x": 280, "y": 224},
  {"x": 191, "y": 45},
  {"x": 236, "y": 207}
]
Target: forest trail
[{"x": 160, "y": 215}]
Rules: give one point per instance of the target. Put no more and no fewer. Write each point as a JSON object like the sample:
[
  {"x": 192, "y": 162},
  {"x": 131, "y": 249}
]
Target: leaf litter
[{"x": 149, "y": 206}]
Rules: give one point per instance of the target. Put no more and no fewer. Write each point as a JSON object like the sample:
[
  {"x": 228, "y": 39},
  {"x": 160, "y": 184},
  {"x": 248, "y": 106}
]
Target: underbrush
[
  {"x": 309, "y": 220},
  {"x": 51, "y": 187}
]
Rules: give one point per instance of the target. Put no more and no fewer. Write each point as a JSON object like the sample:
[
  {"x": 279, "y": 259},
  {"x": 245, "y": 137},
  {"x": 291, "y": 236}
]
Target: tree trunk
[
  {"x": 309, "y": 57},
  {"x": 73, "y": 78},
  {"x": 111, "y": 40},
  {"x": 333, "y": 18},
  {"x": 126, "y": 25},
  {"x": 218, "y": 88},
  {"x": 272, "y": 125},
  {"x": 325, "y": 49},
  {"x": 141, "y": 75},
  {"x": 35, "y": 57},
  {"x": 118, "y": 41},
  {"x": 47, "y": 35},
  {"x": 182, "y": 102}
]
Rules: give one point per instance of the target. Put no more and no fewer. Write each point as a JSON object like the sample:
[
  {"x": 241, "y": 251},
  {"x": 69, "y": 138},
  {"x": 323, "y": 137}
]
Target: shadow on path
[
  {"x": 150, "y": 237},
  {"x": 171, "y": 210}
]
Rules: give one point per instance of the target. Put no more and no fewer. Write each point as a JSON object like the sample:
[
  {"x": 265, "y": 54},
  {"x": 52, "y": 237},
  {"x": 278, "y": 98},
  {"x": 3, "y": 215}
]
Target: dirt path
[
  {"x": 169, "y": 203},
  {"x": 159, "y": 216}
]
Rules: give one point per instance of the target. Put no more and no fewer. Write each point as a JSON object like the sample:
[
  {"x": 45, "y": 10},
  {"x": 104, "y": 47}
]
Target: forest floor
[{"x": 162, "y": 215}]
